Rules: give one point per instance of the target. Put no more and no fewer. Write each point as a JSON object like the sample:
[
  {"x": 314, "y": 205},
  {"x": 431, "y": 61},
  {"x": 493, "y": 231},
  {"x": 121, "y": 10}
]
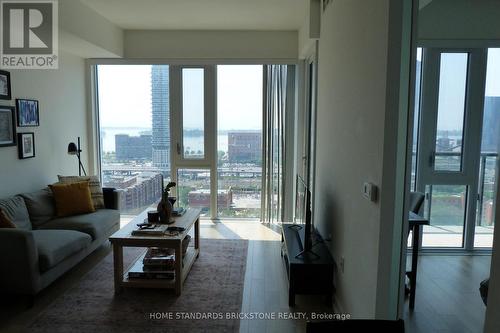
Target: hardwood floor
[
  {"x": 265, "y": 290},
  {"x": 447, "y": 287},
  {"x": 447, "y": 298}
]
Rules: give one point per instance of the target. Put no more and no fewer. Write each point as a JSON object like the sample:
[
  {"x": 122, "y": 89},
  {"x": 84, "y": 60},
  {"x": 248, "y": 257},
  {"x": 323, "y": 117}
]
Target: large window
[
  {"x": 451, "y": 111},
  {"x": 239, "y": 140},
  {"x": 193, "y": 113},
  {"x": 457, "y": 154},
  {"x": 134, "y": 132},
  {"x": 490, "y": 146},
  {"x": 157, "y": 122}
]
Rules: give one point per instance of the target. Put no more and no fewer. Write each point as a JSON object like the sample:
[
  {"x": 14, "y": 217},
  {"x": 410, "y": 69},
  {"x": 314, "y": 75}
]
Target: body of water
[{"x": 192, "y": 142}]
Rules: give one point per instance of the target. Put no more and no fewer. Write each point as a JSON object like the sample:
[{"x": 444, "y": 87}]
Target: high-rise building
[
  {"x": 491, "y": 124},
  {"x": 133, "y": 147},
  {"x": 244, "y": 146},
  {"x": 161, "y": 116}
]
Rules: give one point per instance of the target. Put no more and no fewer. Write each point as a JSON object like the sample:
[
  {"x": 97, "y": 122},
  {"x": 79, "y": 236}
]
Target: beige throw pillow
[{"x": 94, "y": 185}]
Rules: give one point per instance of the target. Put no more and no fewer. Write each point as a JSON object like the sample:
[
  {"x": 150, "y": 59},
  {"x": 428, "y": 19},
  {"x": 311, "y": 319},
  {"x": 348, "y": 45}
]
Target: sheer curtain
[{"x": 278, "y": 105}]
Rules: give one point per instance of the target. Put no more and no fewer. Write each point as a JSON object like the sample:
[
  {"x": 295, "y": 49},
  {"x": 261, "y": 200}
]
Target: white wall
[
  {"x": 88, "y": 33},
  {"x": 351, "y": 111},
  {"x": 61, "y": 96},
  {"x": 309, "y": 32},
  {"x": 178, "y": 44}
]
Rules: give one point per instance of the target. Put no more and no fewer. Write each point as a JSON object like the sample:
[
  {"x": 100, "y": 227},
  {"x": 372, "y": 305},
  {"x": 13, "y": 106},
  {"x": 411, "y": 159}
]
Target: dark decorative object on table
[
  {"x": 27, "y": 113},
  {"x": 153, "y": 216},
  {"x": 5, "y": 85},
  {"x": 7, "y": 126},
  {"x": 26, "y": 145},
  {"x": 165, "y": 206}
]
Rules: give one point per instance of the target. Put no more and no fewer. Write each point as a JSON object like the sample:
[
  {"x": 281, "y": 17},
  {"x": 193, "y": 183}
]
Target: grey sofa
[{"x": 43, "y": 247}]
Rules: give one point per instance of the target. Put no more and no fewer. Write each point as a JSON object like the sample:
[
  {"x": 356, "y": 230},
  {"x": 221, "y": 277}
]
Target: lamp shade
[{"x": 72, "y": 148}]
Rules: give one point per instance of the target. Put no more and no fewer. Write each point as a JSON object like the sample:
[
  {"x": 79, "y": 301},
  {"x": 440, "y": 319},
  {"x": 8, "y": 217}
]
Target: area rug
[{"x": 212, "y": 292}]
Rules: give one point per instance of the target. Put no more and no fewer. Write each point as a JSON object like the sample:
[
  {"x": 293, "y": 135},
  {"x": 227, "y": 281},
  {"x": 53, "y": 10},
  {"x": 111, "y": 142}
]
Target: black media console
[{"x": 309, "y": 273}]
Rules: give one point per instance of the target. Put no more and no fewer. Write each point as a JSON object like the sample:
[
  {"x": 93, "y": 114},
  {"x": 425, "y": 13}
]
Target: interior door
[{"x": 452, "y": 95}]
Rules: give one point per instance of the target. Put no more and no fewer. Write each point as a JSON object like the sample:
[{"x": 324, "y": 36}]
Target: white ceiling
[{"x": 203, "y": 14}]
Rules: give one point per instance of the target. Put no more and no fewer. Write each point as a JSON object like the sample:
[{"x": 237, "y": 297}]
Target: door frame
[{"x": 308, "y": 158}]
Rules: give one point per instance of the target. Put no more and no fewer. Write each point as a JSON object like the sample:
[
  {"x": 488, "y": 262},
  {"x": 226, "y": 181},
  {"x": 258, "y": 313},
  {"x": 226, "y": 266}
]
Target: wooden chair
[{"x": 416, "y": 201}]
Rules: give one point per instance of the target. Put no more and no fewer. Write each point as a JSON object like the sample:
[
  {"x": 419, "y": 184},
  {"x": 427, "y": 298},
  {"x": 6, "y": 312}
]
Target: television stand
[{"x": 308, "y": 272}]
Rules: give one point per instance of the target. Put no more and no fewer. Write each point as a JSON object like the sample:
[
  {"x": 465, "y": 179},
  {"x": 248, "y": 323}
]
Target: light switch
[{"x": 370, "y": 191}]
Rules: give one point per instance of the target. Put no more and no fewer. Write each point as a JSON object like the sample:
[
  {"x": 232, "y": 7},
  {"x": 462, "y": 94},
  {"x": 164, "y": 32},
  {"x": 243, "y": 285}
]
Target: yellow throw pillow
[
  {"x": 72, "y": 198},
  {"x": 5, "y": 222},
  {"x": 94, "y": 185}
]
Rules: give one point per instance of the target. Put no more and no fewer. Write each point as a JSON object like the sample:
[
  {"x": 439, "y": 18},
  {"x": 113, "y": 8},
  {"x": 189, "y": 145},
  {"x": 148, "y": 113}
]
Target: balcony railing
[{"x": 487, "y": 180}]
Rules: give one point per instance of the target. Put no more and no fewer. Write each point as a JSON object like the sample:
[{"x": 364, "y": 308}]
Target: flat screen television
[{"x": 303, "y": 212}]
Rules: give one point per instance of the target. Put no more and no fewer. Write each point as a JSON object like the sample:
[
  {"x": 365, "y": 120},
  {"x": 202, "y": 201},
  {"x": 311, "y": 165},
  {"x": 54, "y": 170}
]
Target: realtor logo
[{"x": 29, "y": 34}]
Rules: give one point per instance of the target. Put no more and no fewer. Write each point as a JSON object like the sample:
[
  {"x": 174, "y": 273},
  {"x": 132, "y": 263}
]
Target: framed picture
[
  {"x": 26, "y": 145},
  {"x": 27, "y": 113},
  {"x": 5, "y": 85},
  {"x": 7, "y": 126}
]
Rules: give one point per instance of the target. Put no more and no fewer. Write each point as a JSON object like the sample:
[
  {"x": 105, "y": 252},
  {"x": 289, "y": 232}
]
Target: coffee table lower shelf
[
  {"x": 125, "y": 238},
  {"x": 189, "y": 259}
]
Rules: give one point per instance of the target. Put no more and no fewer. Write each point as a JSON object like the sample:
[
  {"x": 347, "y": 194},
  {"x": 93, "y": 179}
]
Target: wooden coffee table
[{"x": 123, "y": 238}]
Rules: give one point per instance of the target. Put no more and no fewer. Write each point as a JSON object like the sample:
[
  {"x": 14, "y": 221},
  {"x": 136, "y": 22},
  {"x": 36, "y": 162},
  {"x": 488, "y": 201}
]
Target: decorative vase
[{"x": 165, "y": 210}]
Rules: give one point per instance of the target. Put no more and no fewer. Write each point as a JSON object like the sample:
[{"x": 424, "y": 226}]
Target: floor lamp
[{"x": 73, "y": 149}]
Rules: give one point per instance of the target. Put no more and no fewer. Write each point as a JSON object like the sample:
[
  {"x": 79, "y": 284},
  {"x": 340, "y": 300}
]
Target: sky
[
  {"x": 493, "y": 73},
  {"x": 452, "y": 87},
  {"x": 125, "y": 96},
  {"x": 453, "y": 76}
]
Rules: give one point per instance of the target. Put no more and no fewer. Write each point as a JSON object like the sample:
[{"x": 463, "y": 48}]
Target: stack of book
[
  {"x": 153, "y": 230},
  {"x": 157, "y": 263}
]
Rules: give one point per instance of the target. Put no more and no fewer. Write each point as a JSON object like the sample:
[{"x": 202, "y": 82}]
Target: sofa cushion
[
  {"x": 72, "y": 198},
  {"x": 15, "y": 209},
  {"x": 41, "y": 206},
  {"x": 56, "y": 245},
  {"x": 95, "y": 224},
  {"x": 94, "y": 185}
]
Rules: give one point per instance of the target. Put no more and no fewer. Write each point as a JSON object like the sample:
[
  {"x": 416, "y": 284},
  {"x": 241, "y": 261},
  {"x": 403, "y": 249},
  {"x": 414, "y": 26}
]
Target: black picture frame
[
  {"x": 26, "y": 145},
  {"x": 7, "y": 126},
  {"x": 5, "y": 91},
  {"x": 28, "y": 114}
]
